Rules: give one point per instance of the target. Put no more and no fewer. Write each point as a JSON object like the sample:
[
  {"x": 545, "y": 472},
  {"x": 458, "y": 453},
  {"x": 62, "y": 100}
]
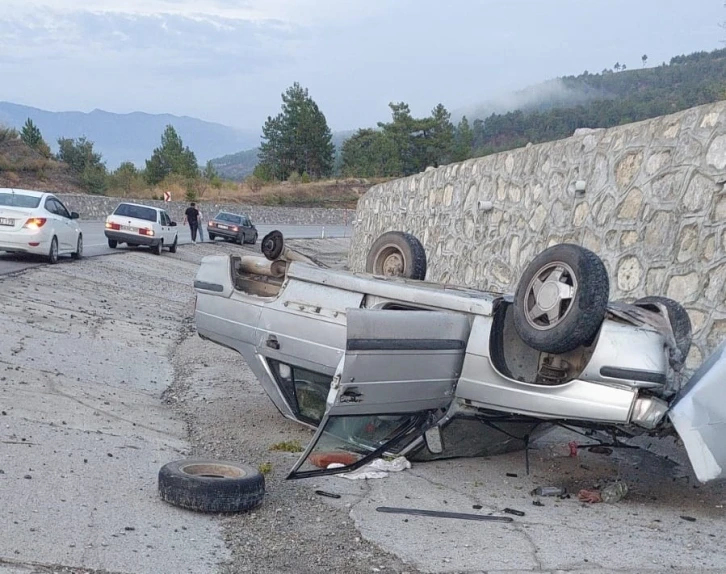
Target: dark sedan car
[{"x": 232, "y": 227}]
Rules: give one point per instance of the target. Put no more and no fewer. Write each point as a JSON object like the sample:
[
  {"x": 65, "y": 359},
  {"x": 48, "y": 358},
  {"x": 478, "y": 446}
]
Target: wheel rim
[
  {"x": 390, "y": 262},
  {"x": 550, "y": 295},
  {"x": 213, "y": 470}
]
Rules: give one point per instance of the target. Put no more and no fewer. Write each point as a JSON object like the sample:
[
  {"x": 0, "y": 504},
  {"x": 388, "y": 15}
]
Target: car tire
[
  {"x": 680, "y": 324},
  {"x": 211, "y": 486},
  {"x": 212, "y": 237},
  {"x": 254, "y": 239},
  {"x": 78, "y": 253},
  {"x": 397, "y": 254},
  {"x": 561, "y": 299},
  {"x": 53, "y": 251},
  {"x": 173, "y": 246},
  {"x": 112, "y": 243},
  {"x": 156, "y": 249}
]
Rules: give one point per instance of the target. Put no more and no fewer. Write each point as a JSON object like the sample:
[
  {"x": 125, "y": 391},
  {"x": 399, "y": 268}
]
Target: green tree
[
  {"x": 126, "y": 178},
  {"x": 31, "y": 136},
  {"x": 172, "y": 157},
  {"x": 463, "y": 140},
  {"x": 84, "y": 162},
  {"x": 370, "y": 153},
  {"x": 297, "y": 140},
  {"x": 440, "y": 136}
]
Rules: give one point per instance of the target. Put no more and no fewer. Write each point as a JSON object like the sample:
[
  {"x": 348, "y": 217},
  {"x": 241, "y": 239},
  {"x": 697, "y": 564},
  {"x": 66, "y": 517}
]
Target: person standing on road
[
  {"x": 191, "y": 215},
  {"x": 200, "y": 224}
]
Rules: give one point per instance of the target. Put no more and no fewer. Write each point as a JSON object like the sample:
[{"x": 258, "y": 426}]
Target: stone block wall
[
  {"x": 653, "y": 207},
  {"x": 95, "y": 207}
]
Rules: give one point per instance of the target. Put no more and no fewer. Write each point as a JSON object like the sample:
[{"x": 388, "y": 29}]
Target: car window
[
  {"x": 19, "y": 200},
  {"x": 165, "y": 220},
  {"x": 229, "y": 217},
  {"x": 51, "y": 206},
  {"x": 305, "y": 391},
  {"x": 136, "y": 211},
  {"x": 60, "y": 209}
]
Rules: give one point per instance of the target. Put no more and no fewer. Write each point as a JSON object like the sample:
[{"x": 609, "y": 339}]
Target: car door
[
  {"x": 61, "y": 228},
  {"x": 72, "y": 229},
  {"x": 167, "y": 230},
  {"x": 396, "y": 379}
]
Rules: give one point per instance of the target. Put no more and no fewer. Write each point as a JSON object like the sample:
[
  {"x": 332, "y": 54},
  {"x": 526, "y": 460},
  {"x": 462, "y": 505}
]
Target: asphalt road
[{"x": 95, "y": 244}]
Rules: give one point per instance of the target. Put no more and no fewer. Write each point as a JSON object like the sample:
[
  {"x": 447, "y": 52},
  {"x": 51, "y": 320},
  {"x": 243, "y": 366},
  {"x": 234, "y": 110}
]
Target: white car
[
  {"x": 38, "y": 223},
  {"x": 135, "y": 225}
]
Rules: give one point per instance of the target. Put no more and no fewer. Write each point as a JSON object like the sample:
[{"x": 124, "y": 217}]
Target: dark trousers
[{"x": 193, "y": 226}]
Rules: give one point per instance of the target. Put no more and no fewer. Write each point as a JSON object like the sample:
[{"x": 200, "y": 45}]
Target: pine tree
[
  {"x": 172, "y": 157},
  {"x": 31, "y": 136}
]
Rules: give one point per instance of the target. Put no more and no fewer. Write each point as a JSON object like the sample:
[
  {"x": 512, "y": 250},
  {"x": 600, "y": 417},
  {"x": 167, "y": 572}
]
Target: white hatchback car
[
  {"x": 135, "y": 225},
  {"x": 38, "y": 223}
]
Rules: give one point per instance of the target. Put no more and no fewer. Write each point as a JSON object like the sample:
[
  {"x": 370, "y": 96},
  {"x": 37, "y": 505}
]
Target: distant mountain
[
  {"x": 238, "y": 166},
  {"x": 130, "y": 137}
]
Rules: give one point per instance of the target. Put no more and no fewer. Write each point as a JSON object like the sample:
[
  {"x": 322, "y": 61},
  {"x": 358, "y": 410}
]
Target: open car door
[{"x": 396, "y": 379}]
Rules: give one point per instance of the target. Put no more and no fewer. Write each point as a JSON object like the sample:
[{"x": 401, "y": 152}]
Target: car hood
[{"x": 699, "y": 416}]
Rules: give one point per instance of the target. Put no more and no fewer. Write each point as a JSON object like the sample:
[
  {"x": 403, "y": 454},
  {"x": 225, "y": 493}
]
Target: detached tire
[
  {"x": 680, "y": 324},
  {"x": 211, "y": 485},
  {"x": 561, "y": 299},
  {"x": 397, "y": 254}
]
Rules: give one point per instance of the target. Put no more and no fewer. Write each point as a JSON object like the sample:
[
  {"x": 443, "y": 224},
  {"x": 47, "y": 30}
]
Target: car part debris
[
  {"x": 614, "y": 492},
  {"x": 688, "y": 518},
  {"x": 591, "y": 496},
  {"x": 512, "y": 475},
  {"x": 211, "y": 485},
  {"x": 537, "y": 503},
  {"x": 549, "y": 491},
  {"x": 513, "y": 511},
  {"x": 598, "y": 449},
  {"x": 441, "y": 514},
  {"x": 328, "y": 494}
]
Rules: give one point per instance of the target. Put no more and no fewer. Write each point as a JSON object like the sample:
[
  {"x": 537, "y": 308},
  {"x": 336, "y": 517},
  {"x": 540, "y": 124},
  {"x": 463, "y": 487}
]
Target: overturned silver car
[{"x": 384, "y": 362}]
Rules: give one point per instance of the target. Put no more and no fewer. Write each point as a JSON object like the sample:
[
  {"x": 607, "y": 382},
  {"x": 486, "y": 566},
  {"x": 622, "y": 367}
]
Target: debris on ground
[
  {"x": 599, "y": 449},
  {"x": 442, "y": 514},
  {"x": 328, "y": 494},
  {"x": 612, "y": 493},
  {"x": 549, "y": 491},
  {"x": 512, "y": 511},
  {"x": 379, "y": 468},
  {"x": 591, "y": 496}
]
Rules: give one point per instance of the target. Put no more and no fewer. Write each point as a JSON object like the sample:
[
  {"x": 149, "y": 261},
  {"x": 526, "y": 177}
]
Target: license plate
[
  {"x": 222, "y": 226},
  {"x": 127, "y": 228},
  {"x": 6, "y": 221}
]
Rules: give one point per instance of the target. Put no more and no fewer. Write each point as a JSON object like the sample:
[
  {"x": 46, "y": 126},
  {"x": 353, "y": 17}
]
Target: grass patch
[
  {"x": 287, "y": 446},
  {"x": 265, "y": 468}
]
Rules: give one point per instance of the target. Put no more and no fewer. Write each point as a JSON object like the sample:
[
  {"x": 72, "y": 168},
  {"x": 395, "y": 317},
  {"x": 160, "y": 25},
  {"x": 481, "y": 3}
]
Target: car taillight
[
  {"x": 146, "y": 231},
  {"x": 35, "y": 222},
  {"x": 114, "y": 226}
]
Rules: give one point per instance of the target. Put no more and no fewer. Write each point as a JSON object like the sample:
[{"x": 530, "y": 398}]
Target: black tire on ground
[
  {"x": 112, "y": 243},
  {"x": 156, "y": 249},
  {"x": 53, "y": 251},
  {"x": 254, "y": 239},
  {"x": 680, "y": 323},
  {"x": 78, "y": 253},
  {"x": 211, "y": 485},
  {"x": 172, "y": 247},
  {"x": 561, "y": 299},
  {"x": 212, "y": 237},
  {"x": 397, "y": 254}
]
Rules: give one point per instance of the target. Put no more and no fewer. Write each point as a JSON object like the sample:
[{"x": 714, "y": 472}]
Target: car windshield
[
  {"x": 228, "y": 217},
  {"x": 136, "y": 211},
  {"x": 19, "y": 200}
]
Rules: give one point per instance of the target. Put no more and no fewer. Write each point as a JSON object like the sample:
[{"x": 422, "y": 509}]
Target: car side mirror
[
  {"x": 173, "y": 224},
  {"x": 74, "y": 215}
]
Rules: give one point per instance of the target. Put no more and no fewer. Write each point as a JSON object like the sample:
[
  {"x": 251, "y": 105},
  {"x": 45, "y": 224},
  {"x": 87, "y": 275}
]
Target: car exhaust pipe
[
  {"x": 274, "y": 248},
  {"x": 256, "y": 266}
]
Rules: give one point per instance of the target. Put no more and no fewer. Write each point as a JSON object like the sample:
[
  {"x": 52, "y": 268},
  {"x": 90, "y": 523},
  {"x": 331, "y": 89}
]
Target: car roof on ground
[{"x": 30, "y": 192}]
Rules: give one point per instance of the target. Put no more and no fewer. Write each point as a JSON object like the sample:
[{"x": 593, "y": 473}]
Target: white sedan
[{"x": 38, "y": 223}]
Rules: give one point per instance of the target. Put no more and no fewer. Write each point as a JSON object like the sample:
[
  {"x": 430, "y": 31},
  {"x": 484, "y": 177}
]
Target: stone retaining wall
[
  {"x": 647, "y": 197},
  {"x": 95, "y": 207}
]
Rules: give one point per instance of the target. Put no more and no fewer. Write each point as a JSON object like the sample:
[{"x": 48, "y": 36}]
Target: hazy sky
[{"x": 229, "y": 60}]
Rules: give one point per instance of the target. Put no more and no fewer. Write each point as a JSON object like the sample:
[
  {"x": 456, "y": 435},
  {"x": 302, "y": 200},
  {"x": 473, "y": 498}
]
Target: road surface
[{"x": 95, "y": 244}]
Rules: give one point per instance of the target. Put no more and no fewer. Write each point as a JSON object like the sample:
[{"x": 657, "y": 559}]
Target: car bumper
[
  {"x": 25, "y": 241},
  {"x": 122, "y": 237},
  {"x": 227, "y": 233}
]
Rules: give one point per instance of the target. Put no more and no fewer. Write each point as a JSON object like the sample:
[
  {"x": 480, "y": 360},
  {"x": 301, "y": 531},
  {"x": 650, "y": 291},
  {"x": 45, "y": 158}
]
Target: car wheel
[
  {"x": 212, "y": 237},
  {"x": 79, "y": 248},
  {"x": 680, "y": 324},
  {"x": 254, "y": 239},
  {"x": 397, "y": 254},
  {"x": 53, "y": 251},
  {"x": 211, "y": 486},
  {"x": 561, "y": 299},
  {"x": 112, "y": 243},
  {"x": 156, "y": 249},
  {"x": 172, "y": 247}
]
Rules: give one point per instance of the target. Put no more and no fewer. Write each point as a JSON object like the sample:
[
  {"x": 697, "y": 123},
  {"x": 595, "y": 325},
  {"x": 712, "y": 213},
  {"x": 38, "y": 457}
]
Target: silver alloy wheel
[{"x": 549, "y": 295}]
